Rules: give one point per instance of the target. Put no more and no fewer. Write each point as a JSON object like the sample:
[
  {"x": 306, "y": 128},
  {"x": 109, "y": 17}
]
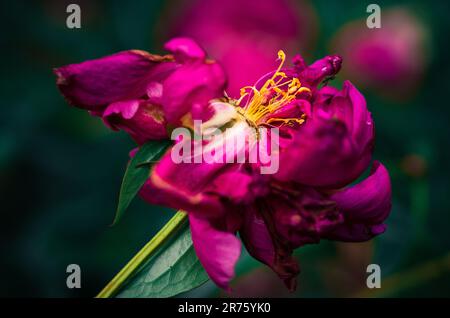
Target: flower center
[{"x": 276, "y": 92}]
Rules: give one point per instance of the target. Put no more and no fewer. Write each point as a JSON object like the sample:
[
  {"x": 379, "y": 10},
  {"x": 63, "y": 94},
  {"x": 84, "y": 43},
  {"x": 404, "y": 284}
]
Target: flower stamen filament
[{"x": 271, "y": 97}]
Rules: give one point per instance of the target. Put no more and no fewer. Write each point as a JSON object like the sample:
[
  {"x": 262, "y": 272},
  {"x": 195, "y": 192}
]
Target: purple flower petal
[
  {"x": 364, "y": 206},
  {"x": 259, "y": 243},
  {"x": 96, "y": 83},
  {"x": 192, "y": 85},
  {"x": 126, "y": 109},
  {"x": 334, "y": 146},
  {"x": 139, "y": 118},
  {"x": 369, "y": 200},
  {"x": 185, "y": 49},
  {"x": 217, "y": 250},
  {"x": 182, "y": 186},
  {"x": 315, "y": 73}
]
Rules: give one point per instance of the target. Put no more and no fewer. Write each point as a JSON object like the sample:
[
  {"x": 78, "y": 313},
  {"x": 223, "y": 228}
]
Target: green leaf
[
  {"x": 137, "y": 173},
  {"x": 173, "y": 270}
]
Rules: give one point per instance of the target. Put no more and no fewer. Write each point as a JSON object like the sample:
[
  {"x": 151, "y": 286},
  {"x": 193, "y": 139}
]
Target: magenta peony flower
[
  {"x": 391, "y": 59},
  {"x": 325, "y": 138},
  {"x": 244, "y": 36}
]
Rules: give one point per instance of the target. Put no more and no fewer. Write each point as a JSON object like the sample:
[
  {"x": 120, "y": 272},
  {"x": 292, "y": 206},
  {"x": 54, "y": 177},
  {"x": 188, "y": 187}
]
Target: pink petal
[
  {"x": 364, "y": 206},
  {"x": 126, "y": 109},
  {"x": 369, "y": 200},
  {"x": 191, "y": 85},
  {"x": 182, "y": 186},
  {"x": 259, "y": 243},
  {"x": 139, "y": 118},
  {"x": 334, "y": 146},
  {"x": 239, "y": 187},
  {"x": 325, "y": 155},
  {"x": 185, "y": 49},
  {"x": 315, "y": 73},
  {"x": 217, "y": 250},
  {"x": 96, "y": 83}
]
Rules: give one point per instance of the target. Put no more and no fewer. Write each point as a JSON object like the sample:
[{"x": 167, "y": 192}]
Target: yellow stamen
[
  {"x": 288, "y": 121},
  {"x": 270, "y": 97}
]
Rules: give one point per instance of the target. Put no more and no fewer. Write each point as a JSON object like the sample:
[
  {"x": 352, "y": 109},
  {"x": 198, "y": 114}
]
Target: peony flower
[
  {"x": 390, "y": 59},
  {"x": 324, "y": 139},
  {"x": 244, "y": 36}
]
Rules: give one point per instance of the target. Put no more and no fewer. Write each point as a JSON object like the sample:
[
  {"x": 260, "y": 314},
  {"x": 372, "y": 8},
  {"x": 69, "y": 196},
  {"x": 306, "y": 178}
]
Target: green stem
[{"x": 144, "y": 254}]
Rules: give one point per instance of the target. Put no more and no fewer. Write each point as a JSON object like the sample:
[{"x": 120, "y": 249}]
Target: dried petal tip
[{"x": 336, "y": 63}]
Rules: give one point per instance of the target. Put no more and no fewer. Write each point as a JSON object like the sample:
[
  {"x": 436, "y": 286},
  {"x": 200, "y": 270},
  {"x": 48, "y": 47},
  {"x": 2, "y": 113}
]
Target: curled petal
[
  {"x": 139, "y": 118},
  {"x": 363, "y": 128},
  {"x": 335, "y": 144},
  {"x": 126, "y": 109},
  {"x": 364, "y": 206},
  {"x": 94, "y": 84},
  {"x": 156, "y": 191},
  {"x": 368, "y": 201},
  {"x": 185, "y": 49},
  {"x": 349, "y": 106},
  {"x": 217, "y": 250},
  {"x": 325, "y": 155},
  {"x": 191, "y": 85},
  {"x": 315, "y": 73},
  {"x": 183, "y": 186},
  {"x": 154, "y": 92}
]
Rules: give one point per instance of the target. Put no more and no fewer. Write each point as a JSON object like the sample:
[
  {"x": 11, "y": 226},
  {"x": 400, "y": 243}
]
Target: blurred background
[{"x": 61, "y": 169}]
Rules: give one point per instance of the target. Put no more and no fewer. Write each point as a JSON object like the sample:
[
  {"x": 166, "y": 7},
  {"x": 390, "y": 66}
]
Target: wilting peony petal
[
  {"x": 349, "y": 106},
  {"x": 192, "y": 85},
  {"x": 139, "y": 118},
  {"x": 126, "y": 109},
  {"x": 259, "y": 243},
  {"x": 217, "y": 250},
  {"x": 315, "y": 73},
  {"x": 239, "y": 187},
  {"x": 94, "y": 84},
  {"x": 364, "y": 206},
  {"x": 156, "y": 191},
  {"x": 185, "y": 49},
  {"x": 184, "y": 186},
  {"x": 335, "y": 144},
  {"x": 305, "y": 217},
  {"x": 369, "y": 200},
  {"x": 324, "y": 156}
]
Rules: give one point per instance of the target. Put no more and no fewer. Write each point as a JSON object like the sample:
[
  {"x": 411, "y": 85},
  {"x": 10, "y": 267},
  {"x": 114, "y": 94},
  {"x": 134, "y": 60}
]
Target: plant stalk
[{"x": 144, "y": 254}]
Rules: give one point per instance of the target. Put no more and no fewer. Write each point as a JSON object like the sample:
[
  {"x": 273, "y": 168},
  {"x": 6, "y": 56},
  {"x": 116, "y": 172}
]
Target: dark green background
[{"x": 61, "y": 169}]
